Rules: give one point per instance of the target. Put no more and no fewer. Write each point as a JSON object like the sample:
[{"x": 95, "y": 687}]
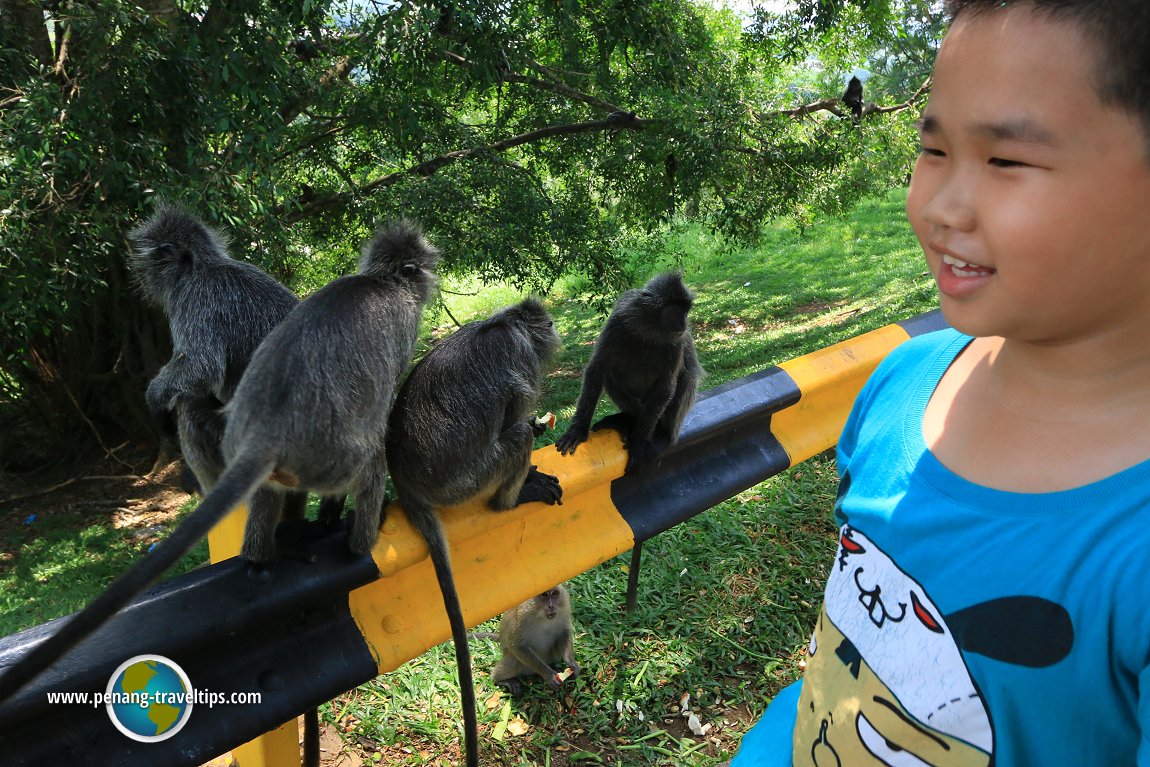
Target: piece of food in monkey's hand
[
  {"x": 541, "y": 423},
  {"x": 564, "y": 675}
]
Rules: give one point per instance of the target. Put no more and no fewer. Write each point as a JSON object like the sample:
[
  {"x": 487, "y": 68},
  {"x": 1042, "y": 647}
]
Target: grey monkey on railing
[
  {"x": 645, "y": 358},
  {"x": 309, "y": 413},
  {"x": 219, "y": 310},
  {"x": 461, "y": 428}
]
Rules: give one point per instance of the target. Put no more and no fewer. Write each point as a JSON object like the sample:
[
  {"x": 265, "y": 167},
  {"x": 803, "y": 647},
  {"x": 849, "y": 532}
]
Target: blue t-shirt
[{"x": 963, "y": 625}]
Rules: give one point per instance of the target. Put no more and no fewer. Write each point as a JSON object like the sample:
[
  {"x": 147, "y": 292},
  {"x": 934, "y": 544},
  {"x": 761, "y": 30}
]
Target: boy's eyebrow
[
  {"x": 1019, "y": 130},
  {"x": 926, "y": 124}
]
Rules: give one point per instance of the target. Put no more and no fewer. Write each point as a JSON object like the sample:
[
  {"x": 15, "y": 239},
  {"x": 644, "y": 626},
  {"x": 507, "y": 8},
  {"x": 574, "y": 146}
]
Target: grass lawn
[{"x": 727, "y": 600}]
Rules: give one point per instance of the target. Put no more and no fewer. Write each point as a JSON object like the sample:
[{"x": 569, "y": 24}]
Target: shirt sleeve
[{"x": 769, "y": 742}]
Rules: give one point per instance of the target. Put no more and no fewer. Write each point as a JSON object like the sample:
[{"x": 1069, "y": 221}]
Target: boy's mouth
[{"x": 962, "y": 268}]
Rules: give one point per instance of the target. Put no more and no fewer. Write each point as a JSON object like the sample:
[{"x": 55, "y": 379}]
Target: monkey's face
[
  {"x": 664, "y": 303},
  {"x": 673, "y": 318},
  {"x": 549, "y": 602}
]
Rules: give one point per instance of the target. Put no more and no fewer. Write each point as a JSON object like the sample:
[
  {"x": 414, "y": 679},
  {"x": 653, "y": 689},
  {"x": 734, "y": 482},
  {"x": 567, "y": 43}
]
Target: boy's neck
[
  {"x": 1100, "y": 372},
  {"x": 1029, "y": 417}
]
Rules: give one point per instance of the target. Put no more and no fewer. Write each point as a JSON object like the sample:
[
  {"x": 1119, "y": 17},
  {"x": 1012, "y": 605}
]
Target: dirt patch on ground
[
  {"x": 125, "y": 479},
  {"x": 120, "y": 488}
]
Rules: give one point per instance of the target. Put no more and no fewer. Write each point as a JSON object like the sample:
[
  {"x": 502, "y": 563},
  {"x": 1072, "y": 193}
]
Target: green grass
[
  {"x": 56, "y": 563},
  {"x": 727, "y": 599}
]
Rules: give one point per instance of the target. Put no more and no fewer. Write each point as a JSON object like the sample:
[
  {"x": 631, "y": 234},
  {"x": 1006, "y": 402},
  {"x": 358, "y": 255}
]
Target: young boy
[{"x": 989, "y": 602}]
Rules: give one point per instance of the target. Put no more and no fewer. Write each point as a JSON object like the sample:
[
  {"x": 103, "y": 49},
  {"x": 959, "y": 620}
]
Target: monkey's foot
[
  {"x": 513, "y": 686},
  {"x": 620, "y": 422},
  {"x": 540, "y": 487},
  {"x": 640, "y": 455},
  {"x": 295, "y": 537},
  {"x": 331, "y": 511}
]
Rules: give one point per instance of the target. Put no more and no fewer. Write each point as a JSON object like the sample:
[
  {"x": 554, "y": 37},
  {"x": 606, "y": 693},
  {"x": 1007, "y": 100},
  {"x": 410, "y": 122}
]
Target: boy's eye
[
  {"x": 1000, "y": 162},
  {"x": 930, "y": 152}
]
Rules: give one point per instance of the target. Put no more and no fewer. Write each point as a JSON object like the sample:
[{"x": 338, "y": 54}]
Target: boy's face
[{"x": 1031, "y": 198}]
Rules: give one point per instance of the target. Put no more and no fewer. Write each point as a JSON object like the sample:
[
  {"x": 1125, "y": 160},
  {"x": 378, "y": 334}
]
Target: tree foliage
[{"x": 528, "y": 136}]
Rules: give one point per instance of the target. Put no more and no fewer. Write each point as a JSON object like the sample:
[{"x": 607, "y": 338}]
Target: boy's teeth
[{"x": 958, "y": 266}]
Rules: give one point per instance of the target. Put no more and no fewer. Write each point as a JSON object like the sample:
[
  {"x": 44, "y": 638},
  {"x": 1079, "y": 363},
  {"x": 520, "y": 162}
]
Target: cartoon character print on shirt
[{"x": 886, "y": 682}]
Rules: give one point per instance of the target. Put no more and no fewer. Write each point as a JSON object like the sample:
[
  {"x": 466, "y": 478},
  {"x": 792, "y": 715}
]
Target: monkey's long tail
[
  {"x": 426, "y": 521},
  {"x": 241, "y": 478}
]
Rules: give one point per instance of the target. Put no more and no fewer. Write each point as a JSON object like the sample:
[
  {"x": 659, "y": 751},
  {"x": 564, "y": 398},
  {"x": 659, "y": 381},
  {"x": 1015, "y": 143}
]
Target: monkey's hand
[
  {"x": 571, "y": 439},
  {"x": 554, "y": 681},
  {"x": 541, "y": 424},
  {"x": 574, "y": 669},
  {"x": 540, "y": 487}
]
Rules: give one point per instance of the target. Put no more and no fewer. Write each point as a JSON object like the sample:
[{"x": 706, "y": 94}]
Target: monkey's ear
[{"x": 173, "y": 252}]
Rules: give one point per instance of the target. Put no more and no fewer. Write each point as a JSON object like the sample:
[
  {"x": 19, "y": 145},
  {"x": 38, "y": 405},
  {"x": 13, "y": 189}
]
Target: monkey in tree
[
  {"x": 309, "y": 413},
  {"x": 645, "y": 359},
  {"x": 533, "y": 636},
  {"x": 853, "y": 97},
  {"x": 461, "y": 428}
]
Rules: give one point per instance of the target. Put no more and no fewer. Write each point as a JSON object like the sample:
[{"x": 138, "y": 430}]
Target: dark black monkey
[
  {"x": 853, "y": 97},
  {"x": 463, "y": 427},
  {"x": 219, "y": 310},
  {"x": 645, "y": 359}
]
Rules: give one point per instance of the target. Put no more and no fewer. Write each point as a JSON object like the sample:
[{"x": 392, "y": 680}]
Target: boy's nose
[{"x": 951, "y": 204}]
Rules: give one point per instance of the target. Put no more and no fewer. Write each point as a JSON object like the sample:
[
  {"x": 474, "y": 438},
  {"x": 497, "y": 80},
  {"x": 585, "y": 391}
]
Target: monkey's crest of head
[
  {"x": 658, "y": 310},
  {"x": 168, "y": 246},
  {"x": 530, "y": 315},
  {"x": 399, "y": 252}
]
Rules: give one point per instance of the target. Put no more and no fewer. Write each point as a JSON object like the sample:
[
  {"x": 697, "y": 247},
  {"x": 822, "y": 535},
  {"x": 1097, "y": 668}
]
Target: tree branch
[
  {"x": 535, "y": 82},
  {"x": 62, "y": 52},
  {"x": 338, "y": 72},
  {"x": 306, "y": 50},
  {"x": 163, "y": 10},
  {"x": 429, "y": 167},
  {"x": 832, "y": 105}
]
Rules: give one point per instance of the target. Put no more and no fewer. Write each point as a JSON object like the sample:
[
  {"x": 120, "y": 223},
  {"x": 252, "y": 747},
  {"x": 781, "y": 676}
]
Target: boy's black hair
[{"x": 1120, "y": 30}]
